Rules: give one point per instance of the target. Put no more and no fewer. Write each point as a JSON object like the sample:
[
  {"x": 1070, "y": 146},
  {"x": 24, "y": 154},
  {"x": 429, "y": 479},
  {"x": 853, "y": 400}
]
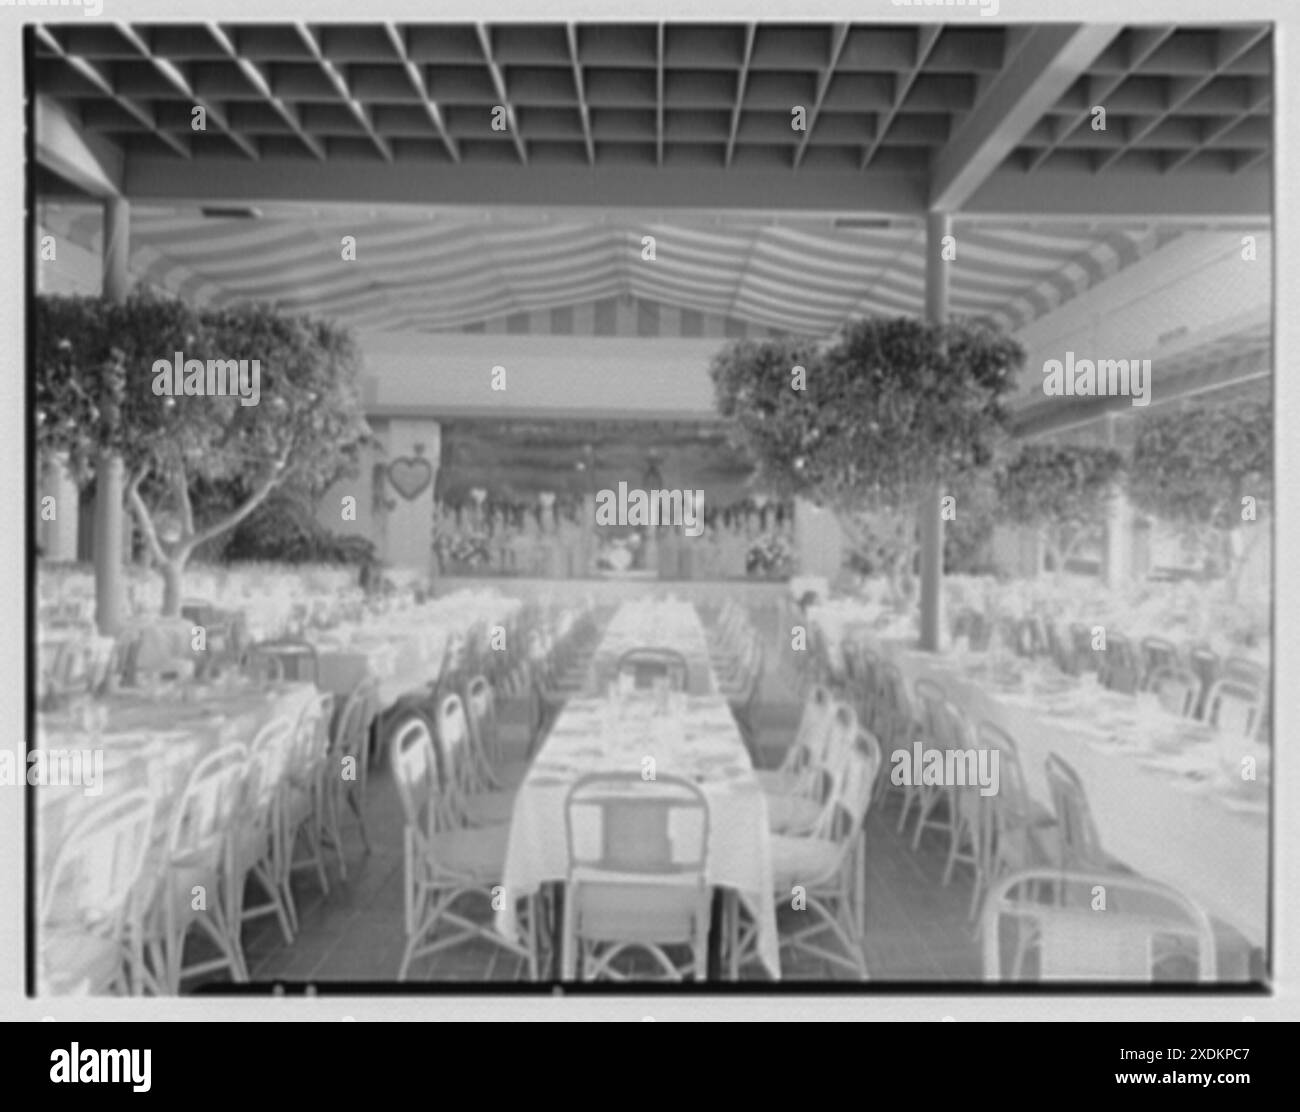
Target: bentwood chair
[
  {"x": 1078, "y": 841},
  {"x": 1178, "y": 690},
  {"x": 821, "y": 871},
  {"x": 304, "y": 806},
  {"x": 1015, "y": 829},
  {"x": 1234, "y": 708},
  {"x": 255, "y": 848},
  {"x": 1121, "y": 668},
  {"x": 298, "y": 660},
  {"x": 189, "y": 887},
  {"x": 816, "y": 712},
  {"x": 830, "y": 738},
  {"x": 1107, "y": 927},
  {"x": 1247, "y": 672},
  {"x": 87, "y": 901},
  {"x": 346, "y": 769},
  {"x": 649, "y": 665},
  {"x": 638, "y": 858},
  {"x": 442, "y": 866},
  {"x": 941, "y": 727},
  {"x": 1205, "y": 663},
  {"x": 462, "y": 803},
  {"x": 494, "y": 772},
  {"x": 1157, "y": 654}
]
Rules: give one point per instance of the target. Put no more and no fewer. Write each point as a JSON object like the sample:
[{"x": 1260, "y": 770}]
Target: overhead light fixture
[{"x": 231, "y": 212}]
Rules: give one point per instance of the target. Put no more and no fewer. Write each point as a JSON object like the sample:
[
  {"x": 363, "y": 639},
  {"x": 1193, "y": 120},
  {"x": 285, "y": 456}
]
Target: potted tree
[
  {"x": 886, "y": 415},
  {"x": 1061, "y": 491},
  {"x": 94, "y": 392},
  {"x": 1207, "y": 469}
]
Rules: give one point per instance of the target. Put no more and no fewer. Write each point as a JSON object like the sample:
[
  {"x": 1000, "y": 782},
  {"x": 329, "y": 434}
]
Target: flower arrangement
[
  {"x": 469, "y": 549},
  {"x": 770, "y": 557}
]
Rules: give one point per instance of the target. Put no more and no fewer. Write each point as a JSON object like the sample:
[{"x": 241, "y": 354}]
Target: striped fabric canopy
[{"x": 439, "y": 271}]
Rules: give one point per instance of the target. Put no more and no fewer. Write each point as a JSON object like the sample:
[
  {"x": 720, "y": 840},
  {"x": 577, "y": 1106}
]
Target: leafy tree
[
  {"x": 94, "y": 392},
  {"x": 1194, "y": 466},
  {"x": 1061, "y": 490},
  {"x": 891, "y": 412}
]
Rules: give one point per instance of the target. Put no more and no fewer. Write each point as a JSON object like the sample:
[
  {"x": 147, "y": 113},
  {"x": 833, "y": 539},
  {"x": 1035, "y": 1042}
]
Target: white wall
[{"x": 450, "y": 375}]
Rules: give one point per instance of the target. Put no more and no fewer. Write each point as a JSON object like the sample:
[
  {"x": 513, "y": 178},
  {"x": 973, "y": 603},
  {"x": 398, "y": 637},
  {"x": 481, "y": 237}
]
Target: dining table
[
  {"x": 689, "y": 734},
  {"x": 1173, "y": 798}
]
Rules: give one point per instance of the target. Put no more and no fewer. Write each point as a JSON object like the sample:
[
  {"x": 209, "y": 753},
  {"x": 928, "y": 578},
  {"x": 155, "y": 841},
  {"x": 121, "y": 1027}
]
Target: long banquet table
[
  {"x": 700, "y": 743},
  {"x": 152, "y": 742},
  {"x": 1159, "y": 788}
]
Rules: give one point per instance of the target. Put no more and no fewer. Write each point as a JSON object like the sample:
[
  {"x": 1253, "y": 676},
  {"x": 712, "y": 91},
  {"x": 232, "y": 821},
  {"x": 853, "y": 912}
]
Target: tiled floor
[{"x": 916, "y": 928}]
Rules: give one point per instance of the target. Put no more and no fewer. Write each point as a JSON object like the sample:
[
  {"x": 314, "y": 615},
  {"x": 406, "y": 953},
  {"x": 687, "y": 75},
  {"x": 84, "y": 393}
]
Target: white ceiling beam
[
  {"x": 499, "y": 83},
  {"x": 926, "y": 37},
  {"x": 257, "y": 79},
  {"x": 659, "y": 95},
  {"x": 86, "y": 160},
  {"x": 431, "y": 108},
  {"x": 1052, "y": 57},
  {"x": 335, "y": 78},
  {"x": 839, "y": 36},
  {"x": 92, "y": 74},
  {"x": 751, "y": 32},
  {"x": 173, "y": 76},
  {"x": 571, "y": 31}
]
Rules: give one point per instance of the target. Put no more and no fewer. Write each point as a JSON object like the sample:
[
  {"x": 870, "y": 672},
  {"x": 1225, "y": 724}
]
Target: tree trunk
[{"x": 173, "y": 573}]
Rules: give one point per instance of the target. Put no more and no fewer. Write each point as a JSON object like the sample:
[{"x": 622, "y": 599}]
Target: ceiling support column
[
  {"x": 110, "y": 470},
  {"x": 937, "y": 225}
]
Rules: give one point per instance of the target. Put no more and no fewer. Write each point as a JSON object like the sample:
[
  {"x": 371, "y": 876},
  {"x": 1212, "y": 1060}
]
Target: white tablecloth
[
  {"x": 1154, "y": 808},
  {"x": 700, "y": 742}
]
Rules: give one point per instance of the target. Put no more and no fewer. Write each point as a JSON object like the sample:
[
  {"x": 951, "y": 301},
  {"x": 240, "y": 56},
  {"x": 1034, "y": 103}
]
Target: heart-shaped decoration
[{"x": 410, "y": 476}]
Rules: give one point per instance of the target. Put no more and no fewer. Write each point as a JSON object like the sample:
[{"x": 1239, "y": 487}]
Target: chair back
[
  {"x": 352, "y": 728},
  {"x": 620, "y": 823},
  {"x": 1156, "y": 653},
  {"x": 1145, "y": 929},
  {"x": 298, "y": 660},
  {"x": 648, "y": 665},
  {"x": 98, "y": 864},
  {"x": 1243, "y": 671},
  {"x": 1234, "y": 708},
  {"x": 1080, "y": 842},
  {"x": 1178, "y": 690},
  {"x": 203, "y": 816},
  {"x": 1121, "y": 670},
  {"x": 416, "y": 773}
]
